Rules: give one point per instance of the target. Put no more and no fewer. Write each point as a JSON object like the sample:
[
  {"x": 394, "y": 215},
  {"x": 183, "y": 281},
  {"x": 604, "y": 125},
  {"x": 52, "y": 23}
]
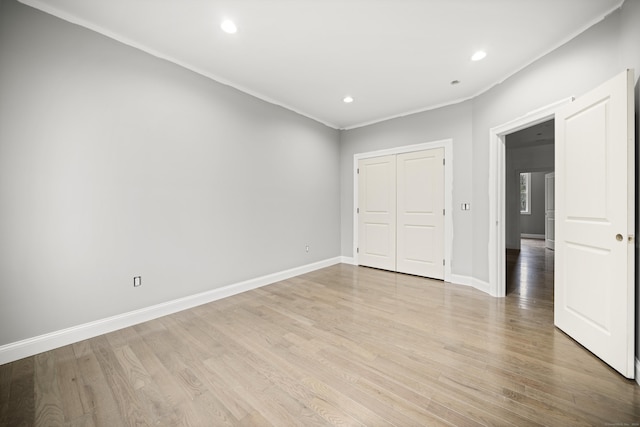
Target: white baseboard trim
[
  {"x": 458, "y": 279},
  {"x": 532, "y": 236},
  {"x": 637, "y": 371},
  {"x": 348, "y": 260},
  {"x": 480, "y": 285},
  {"x": 483, "y": 286},
  {"x": 32, "y": 346}
]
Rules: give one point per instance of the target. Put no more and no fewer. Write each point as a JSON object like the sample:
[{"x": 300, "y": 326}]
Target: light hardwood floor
[{"x": 340, "y": 346}]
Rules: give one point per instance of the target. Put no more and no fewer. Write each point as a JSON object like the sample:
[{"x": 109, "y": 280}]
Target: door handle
[{"x": 619, "y": 237}]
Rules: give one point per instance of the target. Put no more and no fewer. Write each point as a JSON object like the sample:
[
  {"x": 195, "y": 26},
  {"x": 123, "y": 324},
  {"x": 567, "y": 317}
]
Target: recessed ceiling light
[
  {"x": 478, "y": 55},
  {"x": 348, "y": 99},
  {"x": 228, "y": 26}
]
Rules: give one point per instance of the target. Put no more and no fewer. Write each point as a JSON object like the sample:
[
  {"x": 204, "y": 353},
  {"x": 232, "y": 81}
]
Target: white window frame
[{"x": 527, "y": 176}]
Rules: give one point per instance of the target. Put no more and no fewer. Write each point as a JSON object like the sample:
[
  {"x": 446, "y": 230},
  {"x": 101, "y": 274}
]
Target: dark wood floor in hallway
[
  {"x": 344, "y": 345},
  {"x": 530, "y": 271}
]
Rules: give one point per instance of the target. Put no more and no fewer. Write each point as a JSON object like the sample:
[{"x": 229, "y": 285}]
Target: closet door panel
[
  {"x": 377, "y": 212},
  {"x": 420, "y": 213}
]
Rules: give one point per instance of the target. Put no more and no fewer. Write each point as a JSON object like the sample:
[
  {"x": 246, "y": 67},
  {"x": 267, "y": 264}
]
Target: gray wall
[
  {"x": 534, "y": 223},
  {"x": 114, "y": 163},
  {"x": 453, "y": 122}
]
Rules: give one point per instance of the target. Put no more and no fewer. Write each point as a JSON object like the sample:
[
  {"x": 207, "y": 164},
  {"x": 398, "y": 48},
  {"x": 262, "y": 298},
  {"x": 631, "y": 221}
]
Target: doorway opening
[
  {"x": 529, "y": 167},
  {"x": 497, "y": 194}
]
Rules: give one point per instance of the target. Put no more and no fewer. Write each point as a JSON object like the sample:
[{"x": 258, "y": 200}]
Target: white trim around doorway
[
  {"x": 447, "y": 144},
  {"x": 497, "y": 137}
]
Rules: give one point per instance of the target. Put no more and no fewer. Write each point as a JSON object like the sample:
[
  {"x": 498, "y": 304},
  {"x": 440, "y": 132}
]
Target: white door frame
[
  {"x": 447, "y": 144},
  {"x": 497, "y": 137}
]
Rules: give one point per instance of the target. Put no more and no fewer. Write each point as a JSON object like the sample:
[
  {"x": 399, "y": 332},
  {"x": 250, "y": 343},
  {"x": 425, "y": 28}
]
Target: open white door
[
  {"x": 377, "y": 212},
  {"x": 420, "y": 213},
  {"x": 549, "y": 210},
  {"x": 594, "y": 260}
]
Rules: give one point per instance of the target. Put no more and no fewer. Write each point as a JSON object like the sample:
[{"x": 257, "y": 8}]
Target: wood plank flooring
[{"x": 340, "y": 346}]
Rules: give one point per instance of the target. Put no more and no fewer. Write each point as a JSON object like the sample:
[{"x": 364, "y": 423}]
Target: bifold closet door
[
  {"x": 420, "y": 213},
  {"x": 377, "y": 212},
  {"x": 401, "y": 217}
]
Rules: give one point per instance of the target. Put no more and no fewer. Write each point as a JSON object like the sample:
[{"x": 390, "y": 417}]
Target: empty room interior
[{"x": 319, "y": 213}]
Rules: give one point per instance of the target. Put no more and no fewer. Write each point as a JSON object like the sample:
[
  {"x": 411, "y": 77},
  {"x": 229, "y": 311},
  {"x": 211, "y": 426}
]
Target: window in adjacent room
[{"x": 525, "y": 193}]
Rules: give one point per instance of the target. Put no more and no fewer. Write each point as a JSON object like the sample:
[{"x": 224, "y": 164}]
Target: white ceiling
[{"x": 394, "y": 57}]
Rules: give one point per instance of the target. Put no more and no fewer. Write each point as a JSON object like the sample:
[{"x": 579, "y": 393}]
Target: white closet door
[
  {"x": 377, "y": 212},
  {"x": 420, "y": 213}
]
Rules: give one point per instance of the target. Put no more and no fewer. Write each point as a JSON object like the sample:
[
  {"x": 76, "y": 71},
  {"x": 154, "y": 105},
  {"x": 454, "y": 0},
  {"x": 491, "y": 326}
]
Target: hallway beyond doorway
[{"x": 530, "y": 272}]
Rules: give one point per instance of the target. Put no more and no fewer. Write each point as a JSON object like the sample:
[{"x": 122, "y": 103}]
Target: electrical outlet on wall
[
  {"x": 137, "y": 281},
  {"x": 306, "y": 248}
]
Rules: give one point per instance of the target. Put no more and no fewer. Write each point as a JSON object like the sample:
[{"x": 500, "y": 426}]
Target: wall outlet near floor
[
  {"x": 137, "y": 281},
  {"x": 306, "y": 248}
]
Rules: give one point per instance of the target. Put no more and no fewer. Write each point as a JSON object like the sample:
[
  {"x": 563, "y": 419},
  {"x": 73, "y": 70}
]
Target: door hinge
[
  {"x": 443, "y": 212},
  {"x": 442, "y": 162},
  {"x": 442, "y": 262},
  {"x": 357, "y": 210},
  {"x": 358, "y": 171},
  {"x": 357, "y": 250}
]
